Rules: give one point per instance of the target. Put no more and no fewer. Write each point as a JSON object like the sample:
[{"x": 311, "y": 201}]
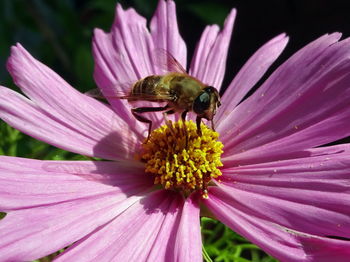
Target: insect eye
[{"x": 201, "y": 103}]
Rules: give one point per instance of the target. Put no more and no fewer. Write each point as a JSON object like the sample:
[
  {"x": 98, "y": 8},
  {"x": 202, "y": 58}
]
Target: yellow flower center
[{"x": 181, "y": 160}]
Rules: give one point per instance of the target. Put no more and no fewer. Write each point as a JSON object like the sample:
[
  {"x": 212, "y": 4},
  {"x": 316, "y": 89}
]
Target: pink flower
[{"x": 278, "y": 188}]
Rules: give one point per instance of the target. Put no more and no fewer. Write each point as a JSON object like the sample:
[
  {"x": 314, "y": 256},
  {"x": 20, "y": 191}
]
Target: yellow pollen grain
[{"x": 181, "y": 160}]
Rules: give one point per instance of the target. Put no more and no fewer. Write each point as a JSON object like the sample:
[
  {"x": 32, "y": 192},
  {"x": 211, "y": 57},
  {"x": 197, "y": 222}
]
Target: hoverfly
[{"x": 182, "y": 93}]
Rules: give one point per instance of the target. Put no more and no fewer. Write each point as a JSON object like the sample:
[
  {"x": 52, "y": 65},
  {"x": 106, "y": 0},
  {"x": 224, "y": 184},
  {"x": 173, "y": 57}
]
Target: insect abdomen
[{"x": 146, "y": 86}]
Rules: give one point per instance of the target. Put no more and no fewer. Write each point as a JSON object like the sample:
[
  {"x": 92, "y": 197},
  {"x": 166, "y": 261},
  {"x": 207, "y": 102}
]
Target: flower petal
[
  {"x": 279, "y": 117},
  {"x": 24, "y": 115},
  {"x": 165, "y": 32},
  {"x": 250, "y": 74},
  {"x": 265, "y": 157},
  {"x": 262, "y": 233},
  {"x": 296, "y": 205},
  {"x": 112, "y": 74},
  {"x": 121, "y": 58},
  {"x": 209, "y": 61},
  {"x": 127, "y": 54},
  {"x": 132, "y": 42},
  {"x": 324, "y": 249},
  {"x": 27, "y": 183},
  {"x": 163, "y": 245},
  {"x": 283, "y": 243},
  {"x": 36, "y": 232},
  {"x": 188, "y": 244},
  {"x": 134, "y": 235},
  {"x": 307, "y": 194},
  {"x": 61, "y": 103}
]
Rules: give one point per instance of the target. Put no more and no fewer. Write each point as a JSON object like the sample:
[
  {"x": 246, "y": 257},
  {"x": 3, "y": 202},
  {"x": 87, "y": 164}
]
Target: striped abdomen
[{"x": 148, "y": 88}]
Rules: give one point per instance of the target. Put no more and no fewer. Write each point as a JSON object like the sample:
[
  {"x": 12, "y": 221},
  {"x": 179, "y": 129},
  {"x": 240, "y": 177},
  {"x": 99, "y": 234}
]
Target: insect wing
[
  {"x": 95, "y": 93},
  {"x": 108, "y": 93},
  {"x": 117, "y": 90},
  {"x": 166, "y": 62},
  {"x": 163, "y": 96},
  {"x": 114, "y": 94}
]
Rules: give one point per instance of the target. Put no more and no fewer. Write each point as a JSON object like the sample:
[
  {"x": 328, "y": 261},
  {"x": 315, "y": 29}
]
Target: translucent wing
[
  {"x": 167, "y": 62},
  {"x": 96, "y": 93},
  {"x": 111, "y": 93}
]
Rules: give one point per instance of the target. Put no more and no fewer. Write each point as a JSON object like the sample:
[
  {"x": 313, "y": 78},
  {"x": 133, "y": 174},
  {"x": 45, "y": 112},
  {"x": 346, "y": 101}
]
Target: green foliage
[
  {"x": 222, "y": 244},
  {"x": 203, "y": 10},
  {"x": 14, "y": 143}
]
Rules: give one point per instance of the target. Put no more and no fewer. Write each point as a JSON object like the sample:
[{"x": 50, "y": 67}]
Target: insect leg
[
  {"x": 169, "y": 112},
  {"x": 168, "y": 122},
  {"x": 199, "y": 121},
  {"x": 139, "y": 110},
  {"x": 183, "y": 115},
  {"x": 183, "y": 118},
  {"x": 212, "y": 125}
]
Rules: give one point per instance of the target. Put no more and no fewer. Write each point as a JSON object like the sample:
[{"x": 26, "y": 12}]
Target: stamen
[{"x": 181, "y": 160}]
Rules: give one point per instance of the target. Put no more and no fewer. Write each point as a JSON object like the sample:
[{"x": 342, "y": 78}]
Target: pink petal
[
  {"x": 263, "y": 233},
  {"x": 250, "y": 74},
  {"x": 50, "y": 92},
  {"x": 52, "y": 204},
  {"x": 310, "y": 212},
  {"x": 165, "y": 31},
  {"x": 232, "y": 161},
  {"x": 280, "y": 117},
  {"x": 324, "y": 249},
  {"x": 121, "y": 58},
  {"x": 188, "y": 244},
  {"x": 324, "y": 150},
  {"x": 127, "y": 54},
  {"x": 85, "y": 118},
  {"x": 145, "y": 230},
  {"x": 315, "y": 135},
  {"x": 110, "y": 68},
  {"x": 283, "y": 243},
  {"x": 27, "y": 183},
  {"x": 162, "y": 248},
  {"x": 112, "y": 74},
  {"x": 133, "y": 44},
  {"x": 209, "y": 61},
  {"x": 24, "y": 115},
  {"x": 36, "y": 232}
]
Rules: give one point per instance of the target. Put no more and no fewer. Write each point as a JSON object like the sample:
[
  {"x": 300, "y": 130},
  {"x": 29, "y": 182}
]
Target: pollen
[{"x": 180, "y": 160}]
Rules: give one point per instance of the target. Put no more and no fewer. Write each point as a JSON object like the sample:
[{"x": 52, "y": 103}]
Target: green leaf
[{"x": 210, "y": 12}]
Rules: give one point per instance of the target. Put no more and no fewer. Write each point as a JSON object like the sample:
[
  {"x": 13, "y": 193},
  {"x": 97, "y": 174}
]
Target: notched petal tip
[
  {"x": 19, "y": 58},
  {"x": 96, "y": 33},
  {"x": 209, "y": 61},
  {"x": 127, "y": 16},
  {"x": 165, "y": 4},
  {"x": 165, "y": 32},
  {"x": 13, "y": 55},
  {"x": 18, "y": 50},
  {"x": 16, "y": 47}
]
